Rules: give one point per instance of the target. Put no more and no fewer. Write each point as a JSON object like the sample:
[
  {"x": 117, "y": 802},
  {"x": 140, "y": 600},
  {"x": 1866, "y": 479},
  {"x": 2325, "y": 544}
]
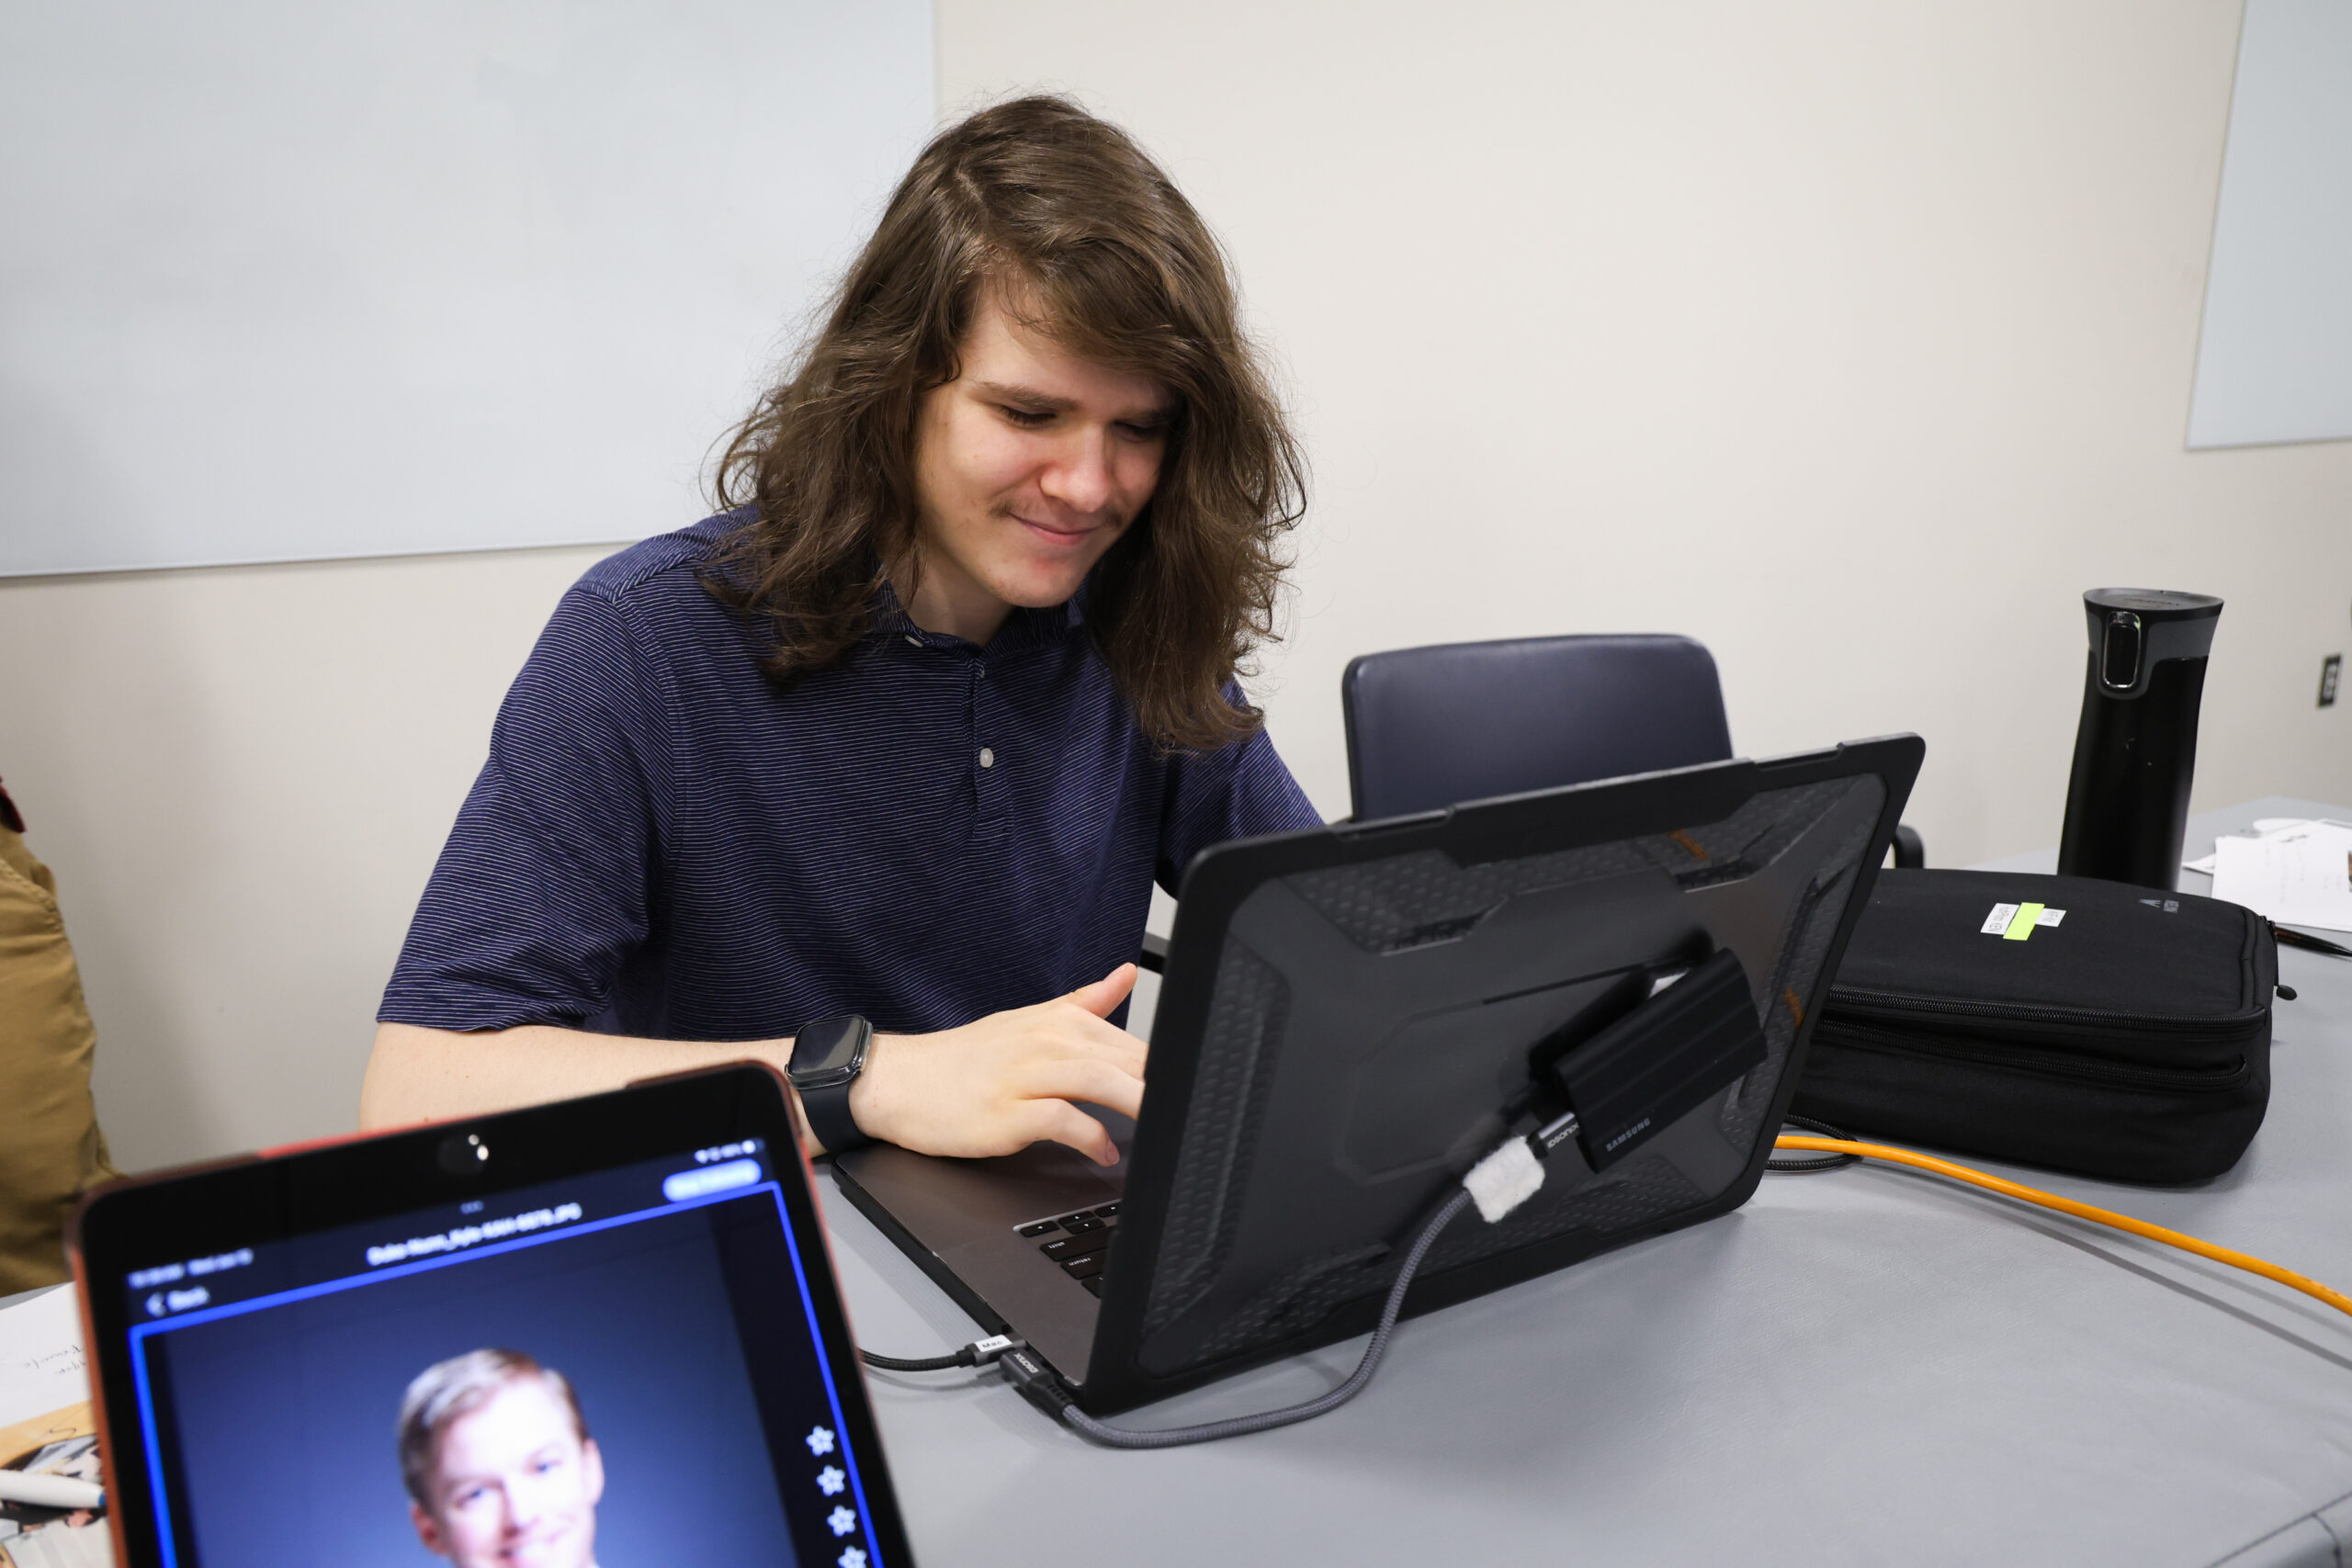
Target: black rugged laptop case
[
  {"x": 1310, "y": 1098},
  {"x": 2130, "y": 1038}
]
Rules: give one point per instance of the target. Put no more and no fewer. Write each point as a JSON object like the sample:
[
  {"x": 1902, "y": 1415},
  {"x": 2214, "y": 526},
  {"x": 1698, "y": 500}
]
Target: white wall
[
  {"x": 512, "y": 259},
  {"x": 241, "y": 777},
  {"x": 1855, "y": 340}
]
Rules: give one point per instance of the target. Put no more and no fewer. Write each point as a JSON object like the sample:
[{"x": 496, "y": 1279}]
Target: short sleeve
[
  {"x": 547, "y": 884},
  {"x": 1235, "y": 792}
]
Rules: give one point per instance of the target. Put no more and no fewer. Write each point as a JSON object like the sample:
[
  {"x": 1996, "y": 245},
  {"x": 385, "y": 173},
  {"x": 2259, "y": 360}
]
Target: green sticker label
[{"x": 2021, "y": 923}]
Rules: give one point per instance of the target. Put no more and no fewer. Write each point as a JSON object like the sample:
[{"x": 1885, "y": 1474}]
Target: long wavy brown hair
[{"x": 1063, "y": 211}]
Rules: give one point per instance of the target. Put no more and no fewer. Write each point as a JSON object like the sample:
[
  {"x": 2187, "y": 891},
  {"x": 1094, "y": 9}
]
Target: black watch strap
[{"x": 827, "y": 1057}]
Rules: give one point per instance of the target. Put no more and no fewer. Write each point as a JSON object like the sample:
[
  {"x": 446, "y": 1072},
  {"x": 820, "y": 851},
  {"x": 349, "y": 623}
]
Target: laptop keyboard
[{"x": 1077, "y": 1243}]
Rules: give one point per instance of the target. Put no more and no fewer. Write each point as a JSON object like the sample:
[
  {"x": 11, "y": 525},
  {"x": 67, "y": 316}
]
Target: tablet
[{"x": 600, "y": 1331}]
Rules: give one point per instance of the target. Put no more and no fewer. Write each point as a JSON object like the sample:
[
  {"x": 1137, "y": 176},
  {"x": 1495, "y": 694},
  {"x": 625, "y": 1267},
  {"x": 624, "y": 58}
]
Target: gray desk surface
[{"x": 1869, "y": 1366}]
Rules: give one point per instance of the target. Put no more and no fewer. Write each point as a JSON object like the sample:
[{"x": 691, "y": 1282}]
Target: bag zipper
[
  {"x": 2060, "y": 1065},
  {"x": 1851, "y": 1001}
]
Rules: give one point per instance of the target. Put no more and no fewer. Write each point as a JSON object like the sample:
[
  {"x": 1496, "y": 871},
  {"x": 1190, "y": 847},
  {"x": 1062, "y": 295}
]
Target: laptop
[
  {"x": 1351, "y": 1016},
  {"x": 603, "y": 1330}
]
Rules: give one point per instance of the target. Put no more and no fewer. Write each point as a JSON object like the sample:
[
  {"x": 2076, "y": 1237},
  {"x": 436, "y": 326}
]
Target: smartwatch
[{"x": 827, "y": 1057}]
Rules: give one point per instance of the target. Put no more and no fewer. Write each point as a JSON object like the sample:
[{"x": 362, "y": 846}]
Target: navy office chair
[{"x": 1428, "y": 727}]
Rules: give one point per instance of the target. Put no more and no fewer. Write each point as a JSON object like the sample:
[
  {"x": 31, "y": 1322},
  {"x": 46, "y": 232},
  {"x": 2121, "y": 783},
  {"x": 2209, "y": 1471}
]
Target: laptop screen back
[{"x": 1352, "y": 1018}]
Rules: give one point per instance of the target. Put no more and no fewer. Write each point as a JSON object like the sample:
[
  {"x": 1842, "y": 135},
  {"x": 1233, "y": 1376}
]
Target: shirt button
[
  {"x": 987, "y": 758},
  {"x": 914, "y": 639}
]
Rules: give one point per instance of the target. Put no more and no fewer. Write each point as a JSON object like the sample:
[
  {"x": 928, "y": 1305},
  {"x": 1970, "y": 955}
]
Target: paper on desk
[
  {"x": 2264, "y": 828},
  {"x": 2302, "y": 878},
  {"x": 47, "y": 1426},
  {"x": 42, "y": 1363}
]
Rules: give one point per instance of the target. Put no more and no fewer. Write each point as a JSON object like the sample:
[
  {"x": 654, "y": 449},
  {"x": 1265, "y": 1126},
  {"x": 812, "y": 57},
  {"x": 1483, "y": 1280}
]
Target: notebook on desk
[{"x": 1350, "y": 1016}]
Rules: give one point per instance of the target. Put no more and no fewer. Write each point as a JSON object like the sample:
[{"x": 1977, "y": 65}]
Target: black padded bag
[{"x": 2129, "y": 1040}]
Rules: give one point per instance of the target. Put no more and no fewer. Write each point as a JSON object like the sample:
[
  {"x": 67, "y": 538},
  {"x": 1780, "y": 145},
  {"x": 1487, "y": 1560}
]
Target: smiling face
[
  {"x": 1028, "y": 467},
  {"x": 513, "y": 1485}
]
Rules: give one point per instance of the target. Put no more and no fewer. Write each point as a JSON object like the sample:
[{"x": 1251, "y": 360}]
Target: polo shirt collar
[{"x": 1022, "y": 628}]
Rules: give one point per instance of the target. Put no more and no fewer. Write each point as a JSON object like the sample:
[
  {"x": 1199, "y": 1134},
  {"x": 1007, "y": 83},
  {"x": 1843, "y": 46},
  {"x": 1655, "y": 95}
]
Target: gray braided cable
[{"x": 1266, "y": 1420}]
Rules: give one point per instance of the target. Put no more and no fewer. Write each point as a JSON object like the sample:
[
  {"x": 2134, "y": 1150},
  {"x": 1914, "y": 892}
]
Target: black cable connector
[
  {"x": 979, "y": 1353},
  {"x": 1038, "y": 1384}
]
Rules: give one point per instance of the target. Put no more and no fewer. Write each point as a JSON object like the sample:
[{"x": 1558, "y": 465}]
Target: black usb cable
[
  {"x": 979, "y": 1353},
  {"x": 1498, "y": 1184},
  {"x": 1042, "y": 1388},
  {"x": 1801, "y": 1164}
]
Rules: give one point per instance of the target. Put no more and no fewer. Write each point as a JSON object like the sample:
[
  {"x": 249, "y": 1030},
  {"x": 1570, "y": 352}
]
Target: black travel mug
[{"x": 2127, "y": 806}]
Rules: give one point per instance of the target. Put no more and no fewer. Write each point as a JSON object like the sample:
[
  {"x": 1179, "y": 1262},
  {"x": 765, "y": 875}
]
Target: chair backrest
[{"x": 1429, "y": 727}]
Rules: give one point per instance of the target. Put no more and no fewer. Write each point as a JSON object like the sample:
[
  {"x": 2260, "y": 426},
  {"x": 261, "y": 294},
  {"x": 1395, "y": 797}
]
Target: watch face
[{"x": 833, "y": 1049}]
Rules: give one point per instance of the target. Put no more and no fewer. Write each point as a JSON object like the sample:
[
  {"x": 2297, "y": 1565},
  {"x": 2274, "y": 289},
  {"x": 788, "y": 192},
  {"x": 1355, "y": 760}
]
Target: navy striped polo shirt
[{"x": 662, "y": 844}]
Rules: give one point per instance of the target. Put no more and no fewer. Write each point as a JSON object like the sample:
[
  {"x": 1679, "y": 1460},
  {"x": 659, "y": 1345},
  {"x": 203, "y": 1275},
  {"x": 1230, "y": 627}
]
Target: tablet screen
[{"x": 621, "y": 1367}]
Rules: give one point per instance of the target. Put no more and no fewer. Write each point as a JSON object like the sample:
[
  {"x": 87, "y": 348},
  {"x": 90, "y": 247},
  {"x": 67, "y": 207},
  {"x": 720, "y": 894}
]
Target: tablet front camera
[{"x": 463, "y": 1154}]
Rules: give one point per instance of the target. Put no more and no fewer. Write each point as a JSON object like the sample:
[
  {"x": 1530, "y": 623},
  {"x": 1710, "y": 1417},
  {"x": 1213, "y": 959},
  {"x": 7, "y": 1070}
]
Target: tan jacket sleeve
[{"x": 50, "y": 1143}]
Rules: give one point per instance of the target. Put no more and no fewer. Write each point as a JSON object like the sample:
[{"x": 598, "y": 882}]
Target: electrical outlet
[{"x": 2330, "y": 669}]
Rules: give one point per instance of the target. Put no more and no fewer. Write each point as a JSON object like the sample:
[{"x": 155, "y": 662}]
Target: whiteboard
[
  {"x": 287, "y": 280},
  {"x": 2274, "y": 361}
]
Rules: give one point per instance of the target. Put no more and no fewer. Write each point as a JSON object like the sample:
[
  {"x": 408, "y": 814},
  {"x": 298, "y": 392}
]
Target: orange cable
[{"x": 2246, "y": 1261}]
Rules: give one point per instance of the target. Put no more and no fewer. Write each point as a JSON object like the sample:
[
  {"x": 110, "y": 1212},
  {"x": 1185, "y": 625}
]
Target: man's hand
[{"x": 1000, "y": 1083}]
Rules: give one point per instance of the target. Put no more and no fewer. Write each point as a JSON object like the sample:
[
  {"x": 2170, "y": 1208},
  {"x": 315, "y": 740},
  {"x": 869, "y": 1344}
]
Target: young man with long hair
[{"x": 887, "y": 756}]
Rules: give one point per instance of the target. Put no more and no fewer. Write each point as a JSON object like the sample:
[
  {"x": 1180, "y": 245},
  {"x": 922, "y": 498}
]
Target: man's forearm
[
  {"x": 431, "y": 1075},
  {"x": 990, "y": 1087}
]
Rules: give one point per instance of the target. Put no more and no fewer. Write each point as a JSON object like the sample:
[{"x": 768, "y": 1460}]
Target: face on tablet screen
[
  {"x": 607, "y": 1371},
  {"x": 499, "y": 1464}
]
